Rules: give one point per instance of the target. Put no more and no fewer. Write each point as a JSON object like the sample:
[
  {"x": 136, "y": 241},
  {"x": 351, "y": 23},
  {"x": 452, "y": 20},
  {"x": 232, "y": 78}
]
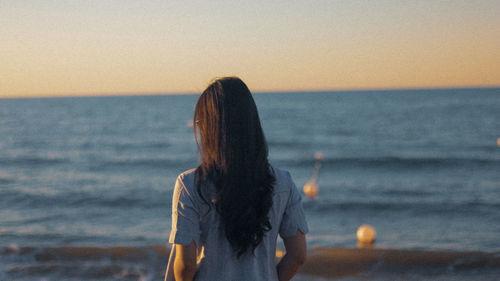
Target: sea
[{"x": 86, "y": 182}]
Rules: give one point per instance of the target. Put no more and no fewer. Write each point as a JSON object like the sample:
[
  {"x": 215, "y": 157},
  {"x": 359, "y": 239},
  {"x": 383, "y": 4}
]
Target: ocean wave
[
  {"x": 288, "y": 144},
  {"x": 6, "y": 180},
  {"x": 407, "y": 192},
  {"x": 159, "y": 163},
  {"x": 32, "y": 219},
  {"x": 17, "y": 198},
  {"x": 325, "y": 206},
  {"x": 420, "y": 201},
  {"x": 392, "y": 161},
  {"x": 140, "y": 146},
  {"x": 87, "y": 252},
  {"x": 32, "y": 161}
]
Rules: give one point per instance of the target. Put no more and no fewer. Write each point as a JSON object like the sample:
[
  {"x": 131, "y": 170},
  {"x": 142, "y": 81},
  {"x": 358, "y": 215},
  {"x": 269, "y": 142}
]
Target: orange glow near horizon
[{"x": 96, "y": 48}]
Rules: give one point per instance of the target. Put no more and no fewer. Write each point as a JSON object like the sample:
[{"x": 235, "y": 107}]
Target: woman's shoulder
[
  {"x": 283, "y": 178},
  {"x": 186, "y": 178},
  {"x": 187, "y": 173}
]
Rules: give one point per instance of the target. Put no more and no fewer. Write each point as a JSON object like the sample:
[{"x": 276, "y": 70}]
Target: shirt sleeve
[
  {"x": 185, "y": 216},
  {"x": 293, "y": 217}
]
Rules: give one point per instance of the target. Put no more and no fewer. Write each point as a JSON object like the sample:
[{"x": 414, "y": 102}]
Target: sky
[{"x": 59, "y": 48}]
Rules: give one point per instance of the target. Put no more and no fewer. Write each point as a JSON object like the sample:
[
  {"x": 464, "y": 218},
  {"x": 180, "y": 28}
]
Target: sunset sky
[{"x": 132, "y": 47}]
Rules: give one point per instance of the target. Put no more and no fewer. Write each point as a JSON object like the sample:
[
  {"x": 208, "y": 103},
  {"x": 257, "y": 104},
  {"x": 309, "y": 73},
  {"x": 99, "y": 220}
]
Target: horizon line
[{"x": 145, "y": 94}]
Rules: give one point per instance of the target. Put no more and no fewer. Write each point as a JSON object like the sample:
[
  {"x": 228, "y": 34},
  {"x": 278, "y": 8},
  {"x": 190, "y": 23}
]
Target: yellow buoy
[
  {"x": 311, "y": 189},
  {"x": 366, "y": 234}
]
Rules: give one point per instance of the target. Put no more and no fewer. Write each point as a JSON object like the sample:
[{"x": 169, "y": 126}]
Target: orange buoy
[
  {"x": 311, "y": 189},
  {"x": 366, "y": 234},
  {"x": 318, "y": 155}
]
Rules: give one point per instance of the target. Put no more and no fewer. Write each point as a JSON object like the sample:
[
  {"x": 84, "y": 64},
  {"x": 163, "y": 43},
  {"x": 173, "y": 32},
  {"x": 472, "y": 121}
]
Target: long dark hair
[{"x": 233, "y": 153}]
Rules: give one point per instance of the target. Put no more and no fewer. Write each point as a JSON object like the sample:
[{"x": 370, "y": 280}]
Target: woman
[{"x": 228, "y": 212}]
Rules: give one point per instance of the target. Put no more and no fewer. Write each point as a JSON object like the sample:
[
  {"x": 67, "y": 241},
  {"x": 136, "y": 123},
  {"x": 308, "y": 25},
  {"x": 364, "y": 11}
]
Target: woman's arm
[
  {"x": 296, "y": 252},
  {"x": 185, "y": 262}
]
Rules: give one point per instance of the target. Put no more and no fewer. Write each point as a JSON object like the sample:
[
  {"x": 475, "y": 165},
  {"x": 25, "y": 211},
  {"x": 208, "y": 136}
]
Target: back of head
[{"x": 234, "y": 154}]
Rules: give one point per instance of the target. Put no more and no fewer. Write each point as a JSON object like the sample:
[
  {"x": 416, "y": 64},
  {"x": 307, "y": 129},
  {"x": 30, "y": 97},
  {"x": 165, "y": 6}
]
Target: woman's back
[{"x": 194, "y": 220}]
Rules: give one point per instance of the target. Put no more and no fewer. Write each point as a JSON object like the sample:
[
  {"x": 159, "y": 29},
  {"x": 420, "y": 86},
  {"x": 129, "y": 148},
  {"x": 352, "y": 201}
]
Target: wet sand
[{"x": 335, "y": 263}]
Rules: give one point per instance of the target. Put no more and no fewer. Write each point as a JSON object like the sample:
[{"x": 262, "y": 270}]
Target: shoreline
[{"x": 322, "y": 262}]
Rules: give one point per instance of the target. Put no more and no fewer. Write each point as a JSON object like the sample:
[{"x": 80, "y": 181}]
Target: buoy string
[{"x": 317, "y": 166}]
